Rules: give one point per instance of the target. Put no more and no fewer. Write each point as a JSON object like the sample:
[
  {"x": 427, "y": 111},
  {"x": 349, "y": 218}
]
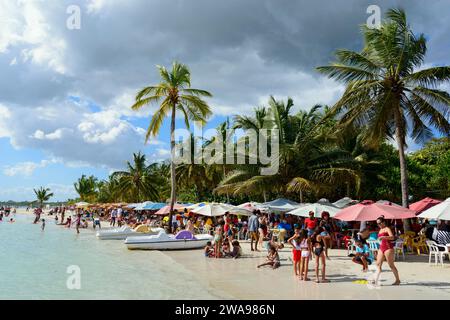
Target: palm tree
[
  {"x": 386, "y": 91},
  {"x": 174, "y": 93},
  {"x": 138, "y": 183},
  {"x": 42, "y": 195},
  {"x": 86, "y": 188}
]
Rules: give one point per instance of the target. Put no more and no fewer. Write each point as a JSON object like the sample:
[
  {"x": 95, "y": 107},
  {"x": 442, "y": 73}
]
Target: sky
[{"x": 65, "y": 94}]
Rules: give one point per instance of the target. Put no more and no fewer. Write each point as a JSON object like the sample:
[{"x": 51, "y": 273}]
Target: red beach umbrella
[
  {"x": 166, "y": 210},
  {"x": 424, "y": 204},
  {"x": 370, "y": 211}
]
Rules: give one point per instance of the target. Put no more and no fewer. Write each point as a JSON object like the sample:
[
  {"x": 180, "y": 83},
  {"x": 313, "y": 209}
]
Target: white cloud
[
  {"x": 61, "y": 192},
  {"x": 26, "y": 169}
]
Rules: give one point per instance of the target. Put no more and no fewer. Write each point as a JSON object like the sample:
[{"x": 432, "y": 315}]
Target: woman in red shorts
[
  {"x": 295, "y": 242},
  {"x": 386, "y": 251}
]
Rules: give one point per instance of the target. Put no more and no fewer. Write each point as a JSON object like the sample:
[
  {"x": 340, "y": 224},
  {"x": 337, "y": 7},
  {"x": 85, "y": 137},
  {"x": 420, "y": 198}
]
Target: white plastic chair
[
  {"x": 398, "y": 248},
  {"x": 434, "y": 251},
  {"x": 443, "y": 253},
  {"x": 351, "y": 248},
  {"x": 373, "y": 246}
]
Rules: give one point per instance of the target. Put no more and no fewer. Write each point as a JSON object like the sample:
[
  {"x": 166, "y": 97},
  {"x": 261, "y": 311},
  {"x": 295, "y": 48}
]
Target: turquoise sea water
[{"x": 33, "y": 265}]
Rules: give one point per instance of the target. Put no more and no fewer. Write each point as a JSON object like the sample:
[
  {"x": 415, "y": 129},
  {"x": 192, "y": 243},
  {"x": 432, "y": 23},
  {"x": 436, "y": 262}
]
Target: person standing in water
[
  {"x": 386, "y": 252},
  {"x": 43, "y": 225},
  {"x": 78, "y": 222}
]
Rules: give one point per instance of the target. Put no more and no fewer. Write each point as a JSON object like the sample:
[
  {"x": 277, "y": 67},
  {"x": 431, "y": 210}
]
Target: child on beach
[
  {"x": 318, "y": 248},
  {"x": 218, "y": 237},
  {"x": 363, "y": 255},
  {"x": 209, "y": 250},
  {"x": 305, "y": 247},
  {"x": 237, "y": 250},
  {"x": 296, "y": 251},
  {"x": 273, "y": 259}
]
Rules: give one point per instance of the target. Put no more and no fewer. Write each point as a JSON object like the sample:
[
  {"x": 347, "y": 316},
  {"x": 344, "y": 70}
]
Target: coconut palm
[
  {"x": 42, "y": 195},
  {"x": 137, "y": 183},
  {"x": 387, "y": 92},
  {"x": 173, "y": 93},
  {"x": 86, "y": 187}
]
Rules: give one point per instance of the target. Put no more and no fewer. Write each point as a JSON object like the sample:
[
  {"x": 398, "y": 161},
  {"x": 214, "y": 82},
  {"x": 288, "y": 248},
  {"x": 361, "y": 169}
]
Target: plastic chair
[
  {"x": 418, "y": 244},
  {"x": 351, "y": 248},
  {"x": 434, "y": 251},
  {"x": 374, "y": 245},
  {"x": 399, "y": 248}
]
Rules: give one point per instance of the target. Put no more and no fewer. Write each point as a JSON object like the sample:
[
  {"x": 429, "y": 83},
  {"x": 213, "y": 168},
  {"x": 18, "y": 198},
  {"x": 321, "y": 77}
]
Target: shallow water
[{"x": 34, "y": 265}]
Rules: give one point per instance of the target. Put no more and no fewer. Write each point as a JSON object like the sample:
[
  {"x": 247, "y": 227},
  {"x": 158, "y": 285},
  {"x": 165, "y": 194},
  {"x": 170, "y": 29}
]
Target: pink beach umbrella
[
  {"x": 370, "y": 211},
  {"x": 166, "y": 210},
  {"x": 424, "y": 204}
]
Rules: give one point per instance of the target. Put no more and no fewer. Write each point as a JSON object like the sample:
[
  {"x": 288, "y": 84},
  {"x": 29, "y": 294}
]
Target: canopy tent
[
  {"x": 283, "y": 205},
  {"x": 218, "y": 209},
  {"x": 423, "y": 205},
  {"x": 345, "y": 202},
  {"x": 370, "y": 211},
  {"x": 317, "y": 208},
  {"x": 439, "y": 212}
]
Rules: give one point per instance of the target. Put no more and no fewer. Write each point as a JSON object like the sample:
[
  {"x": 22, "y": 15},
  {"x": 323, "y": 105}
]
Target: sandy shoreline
[{"x": 240, "y": 279}]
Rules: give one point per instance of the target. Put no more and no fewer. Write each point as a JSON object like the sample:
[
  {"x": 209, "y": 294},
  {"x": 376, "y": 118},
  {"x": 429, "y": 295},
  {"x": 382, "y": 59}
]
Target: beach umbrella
[
  {"x": 166, "y": 209},
  {"x": 317, "y": 208},
  {"x": 283, "y": 205},
  {"x": 423, "y": 205},
  {"x": 151, "y": 206},
  {"x": 439, "y": 212},
  {"x": 370, "y": 211},
  {"x": 81, "y": 204},
  {"x": 251, "y": 206},
  {"x": 218, "y": 209},
  {"x": 345, "y": 202},
  {"x": 389, "y": 203}
]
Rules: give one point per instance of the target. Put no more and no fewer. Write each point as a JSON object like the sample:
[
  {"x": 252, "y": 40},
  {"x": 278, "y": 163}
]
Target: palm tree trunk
[
  {"x": 301, "y": 196},
  {"x": 264, "y": 195},
  {"x": 173, "y": 192},
  {"x": 403, "y": 173},
  {"x": 224, "y": 174}
]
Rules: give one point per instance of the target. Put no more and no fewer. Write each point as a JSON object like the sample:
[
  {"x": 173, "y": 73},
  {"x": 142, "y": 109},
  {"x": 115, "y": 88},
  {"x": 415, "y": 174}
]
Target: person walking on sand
[
  {"x": 253, "y": 226},
  {"x": 386, "y": 252}
]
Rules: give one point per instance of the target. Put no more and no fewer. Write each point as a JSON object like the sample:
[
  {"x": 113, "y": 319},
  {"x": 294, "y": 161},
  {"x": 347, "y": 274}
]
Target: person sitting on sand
[
  {"x": 363, "y": 256},
  {"x": 273, "y": 259},
  {"x": 237, "y": 250},
  {"x": 68, "y": 222},
  {"x": 12, "y": 220},
  {"x": 209, "y": 250},
  {"x": 226, "y": 248}
]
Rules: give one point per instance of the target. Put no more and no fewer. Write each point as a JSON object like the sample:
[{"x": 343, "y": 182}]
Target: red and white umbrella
[
  {"x": 423, "y": 205},
  {"x": 370, "y": 211}
]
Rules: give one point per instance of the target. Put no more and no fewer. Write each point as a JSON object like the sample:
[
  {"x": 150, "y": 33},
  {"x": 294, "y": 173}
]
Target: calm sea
[{"x": 34, "y": 265}]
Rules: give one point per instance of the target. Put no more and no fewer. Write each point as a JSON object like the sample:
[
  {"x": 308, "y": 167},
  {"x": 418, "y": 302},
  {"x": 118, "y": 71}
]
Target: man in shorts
[{"x": 253, "y": 226}]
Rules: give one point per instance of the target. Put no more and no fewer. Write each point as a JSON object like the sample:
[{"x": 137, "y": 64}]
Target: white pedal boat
[
  {"x": 123, "y": 232},
  {"x": 184, "y": 240}
]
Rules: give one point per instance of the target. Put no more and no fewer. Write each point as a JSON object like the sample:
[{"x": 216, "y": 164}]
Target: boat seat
[{"x": 184, "y": 235}]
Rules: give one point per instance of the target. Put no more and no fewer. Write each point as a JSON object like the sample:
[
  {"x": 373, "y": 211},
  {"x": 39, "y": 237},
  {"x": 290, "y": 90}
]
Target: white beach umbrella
[
  {"x": 317, "y": 208},
  {"x": 218, "y": 209},
  {"x": 345, "y": 202},
  {"x": 283, "y": 205},
  {"x": 440, "y": 211},
  {"x": 81, "y": 204}
]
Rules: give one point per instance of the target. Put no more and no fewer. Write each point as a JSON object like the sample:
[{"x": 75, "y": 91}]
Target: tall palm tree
[
  {"x": 86, "y": 187},
  {"x": 137, "y": 183},
  {"x": 387, "y": 92},
  {"x": 42, "y": 195},
  {"x": 174, "y": 93}
]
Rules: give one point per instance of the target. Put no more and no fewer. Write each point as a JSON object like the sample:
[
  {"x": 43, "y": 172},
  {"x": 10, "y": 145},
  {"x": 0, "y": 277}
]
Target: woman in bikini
[
  {"x": 318, "y": 248},
  {"x": 327, "y": 233},
  {"x": 218, "y": 238},
  {"x": 305, "y": 246},
  {"x": 386, "y": 252}
]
